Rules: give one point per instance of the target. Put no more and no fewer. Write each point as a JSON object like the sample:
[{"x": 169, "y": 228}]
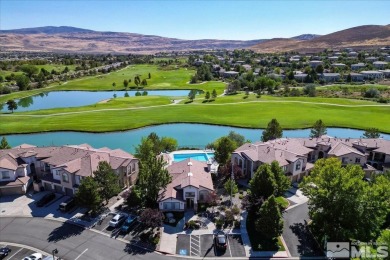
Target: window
[
  {"x": 5, "y": 175},
  {"x": 171, "y": 205},
  {"x": 65, "y": 177},
  {"x": 357, "y": 160},
  {"x": 190, "y": 194},
  {"x": 298, "y": 166},
  {"x": 344, "y": 159}
]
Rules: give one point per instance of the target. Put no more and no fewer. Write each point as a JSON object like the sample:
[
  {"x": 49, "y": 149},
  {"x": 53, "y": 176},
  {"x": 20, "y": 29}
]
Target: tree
[
  {"x": 144, "y": 83},
  {"x": 269, "y": 222},
  {"x": 30, "y": 70},
  {"x": 237, "y": 138},
  {"x": 310, "y": 90},
  {"x": 191, "y": 95},
  {"x": 223, "y": 148},
  {"x": 282, "y": 181},
  {"x": 107, "y": 181},
  {"x": 151, "y": 217},
  {"x": 371, "y": 133},
  {"x": 272, "y": 131},
  {"x": 4, "y": 144},
  {"x": 12, "y": 105},
  {"x": 230, "y": 186},
  {"x": 341, "y": 205},
  {"x": 168, "y": 144},
  {"x": 137, "y": 80},
  {"x": 207, "y": 96},
  {"x": 318, "y": 129},
  {"x": 150, "y": 76},
  {"x": 263, "y": 183},
  {"x": 88, "y": 194},
  {"x": 133, "y": 197},
  {"x": 153, "y": 177},
  {"x": 125, "y": 83},
  {"x": 214, "y": 94},
  {"x": 320, "y": 69},
  {"x": 146, "y": 149},
  {"x": 126, "y": 94},
  {"x": 22, "y": 81},
  {"x": 113, "y": 84}
]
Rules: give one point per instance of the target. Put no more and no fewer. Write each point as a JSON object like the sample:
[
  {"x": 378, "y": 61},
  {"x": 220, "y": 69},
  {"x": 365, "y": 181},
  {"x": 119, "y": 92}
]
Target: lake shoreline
[{"x": 174, "y": 123}]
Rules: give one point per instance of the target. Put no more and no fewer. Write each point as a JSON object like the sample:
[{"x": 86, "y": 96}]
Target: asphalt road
[
  {"x": 299, "y": 240},
  {"x": 72, "y": 242}
]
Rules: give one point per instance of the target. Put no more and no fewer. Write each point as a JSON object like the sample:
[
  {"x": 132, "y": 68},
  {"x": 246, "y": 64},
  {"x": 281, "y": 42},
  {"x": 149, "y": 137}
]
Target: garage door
[
  {"x": 48, "y": 186},
  {"x": 58, "y": 189},
  {"x": 68, "y": 192},
  {"x": 11, "y": 191}
]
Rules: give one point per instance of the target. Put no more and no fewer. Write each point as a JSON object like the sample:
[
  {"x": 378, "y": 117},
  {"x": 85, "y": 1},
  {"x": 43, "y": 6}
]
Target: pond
[
  {"x": 187, "y": 135},
  {"x": 56, "y": 99}
]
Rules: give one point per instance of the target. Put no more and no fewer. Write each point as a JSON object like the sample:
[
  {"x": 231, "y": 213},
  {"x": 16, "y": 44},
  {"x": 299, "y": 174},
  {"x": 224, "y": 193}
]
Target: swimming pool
[{"x": 203, "y": 157}]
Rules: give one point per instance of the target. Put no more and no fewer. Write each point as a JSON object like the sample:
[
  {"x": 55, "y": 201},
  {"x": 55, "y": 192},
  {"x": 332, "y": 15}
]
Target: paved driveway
[{"x": 299, "y": 240}]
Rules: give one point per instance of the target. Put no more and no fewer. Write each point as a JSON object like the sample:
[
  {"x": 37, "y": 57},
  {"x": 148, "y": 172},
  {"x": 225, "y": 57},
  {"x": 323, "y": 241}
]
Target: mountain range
[
  {"x": 361, "y": 37},
  {"x": 72, "y": 39}
]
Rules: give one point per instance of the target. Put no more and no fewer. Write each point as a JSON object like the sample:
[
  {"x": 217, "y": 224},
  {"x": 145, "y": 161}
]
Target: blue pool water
[{"x": 203, "y": 157}]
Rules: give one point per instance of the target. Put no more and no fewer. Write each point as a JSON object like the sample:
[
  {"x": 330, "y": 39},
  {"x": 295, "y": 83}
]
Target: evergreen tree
[
  {"x": 4, "y": 144},
  {"x": 230, "y": 186},
  {"x": 207, "y": 96},
  {"x": 282, "y": 181},
  {"x": 371, "y": 133},
  {"x": 125, "y": 83},
  {"x": 88, "y": 194},
  {"x": 12, "y": 105},
  {"x": 214, "y": 94},
  {"x": 107, "y": 180},
  {"x": 191, "y": 95},
  {"x": 272, "y": 131},
  {"x": 318, "y": 129},
  {"x": 269, "y": 222},
  {"x": 263, "y": 183}
]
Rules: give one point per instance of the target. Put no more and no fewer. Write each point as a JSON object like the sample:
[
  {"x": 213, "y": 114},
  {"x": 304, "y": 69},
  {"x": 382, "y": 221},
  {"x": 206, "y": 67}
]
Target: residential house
[
  {"x": 372, "y": 74},
  {"x": 296, "y": 155},
  {"x": 333, "y": 58},
  {"x": 329, "y": 77},
  {"x": 300, "y": 77},
  {"x": 191, "y": 183},
  {"x": 386, "y": 73},
  {"x": 353, "y": 54},
  {"x": 371, "y": 59},
  {"x": 356, "y": 76},
  {"x": 229, "y": 74},
  {"x": 338, "y": 65},
  {"x": 358, "y": 66},
  {"x": 387, "y": 58},
  {"x": 315, "y": 63},
  {"x": 380, "y": 64},
  {"x": 61, "y": 168}
]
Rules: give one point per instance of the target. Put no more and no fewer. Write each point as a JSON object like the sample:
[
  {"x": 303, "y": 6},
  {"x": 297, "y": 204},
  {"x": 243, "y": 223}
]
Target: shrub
[
  {"x": 371, "y": 93},
  {"x": 237, "y": 224},
  {"x": 219, "y": 223},
  {"x": 241, "y": 196},
  {"x": 235, "y": 210},
  {"x": 222, "y": 208},
  {"x": 229, "y": 217}
]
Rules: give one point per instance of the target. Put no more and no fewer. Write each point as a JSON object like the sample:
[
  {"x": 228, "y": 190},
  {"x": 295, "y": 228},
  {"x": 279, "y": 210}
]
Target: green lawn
[
  {"x": 252, "y": 114},
  {"x": 57, "y": 67}
]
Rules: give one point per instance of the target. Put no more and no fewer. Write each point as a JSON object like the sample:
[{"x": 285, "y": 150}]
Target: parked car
[
  {"x": 35, "y": 256},
  {"x": 67, "y": 204},
  {"x": 128, "y": 222},
  {"x": 4, "y": 251},
  {"x": 46, "y": 199},
  {"x": 117, "y": 220},
  {"x": 220, "y": 240}
]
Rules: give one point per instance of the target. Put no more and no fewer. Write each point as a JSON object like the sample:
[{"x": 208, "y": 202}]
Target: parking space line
[
  {"x": 15, "y": 253},
  {"x": 81, "y": 254},
  {"x": 230, "y": 251}
]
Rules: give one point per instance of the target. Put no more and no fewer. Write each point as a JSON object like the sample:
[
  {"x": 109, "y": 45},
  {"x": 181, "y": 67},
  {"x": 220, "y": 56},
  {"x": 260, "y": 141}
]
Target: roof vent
[
  {"x": 189, "y": 163},
  {"x": 189, "y": 174}
]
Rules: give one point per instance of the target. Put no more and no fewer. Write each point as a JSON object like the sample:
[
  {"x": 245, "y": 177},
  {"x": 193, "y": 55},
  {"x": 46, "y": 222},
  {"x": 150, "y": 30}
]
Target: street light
[{"x": 54, "y": 252}]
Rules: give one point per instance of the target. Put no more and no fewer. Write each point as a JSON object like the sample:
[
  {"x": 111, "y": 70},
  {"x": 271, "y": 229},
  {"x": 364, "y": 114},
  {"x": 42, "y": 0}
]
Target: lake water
[
  {"x": 192, "y": 135},
  {"x": 56, "y": 99}
]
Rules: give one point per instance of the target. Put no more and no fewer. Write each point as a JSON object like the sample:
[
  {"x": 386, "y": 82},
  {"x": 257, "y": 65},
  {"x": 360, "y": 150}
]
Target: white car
[
  {"x": 35, "y": 256},
  {"x": 117, "y": 220}
]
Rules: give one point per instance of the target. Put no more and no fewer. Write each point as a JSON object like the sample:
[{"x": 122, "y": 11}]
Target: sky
[{"x": 202, "y": 19}]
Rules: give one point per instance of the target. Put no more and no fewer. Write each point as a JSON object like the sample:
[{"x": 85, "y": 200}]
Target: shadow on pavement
[
  {"x": 307, "y": 245},
  {"x": 64, "y": 231}
]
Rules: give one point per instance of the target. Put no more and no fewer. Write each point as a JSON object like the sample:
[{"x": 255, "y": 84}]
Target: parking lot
[
  {"x": 25, "y": 205},
  {"x": 17, "y": 252},
  {"x": 203, "y": 246},
  {"x": 132, "y": 235}
]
